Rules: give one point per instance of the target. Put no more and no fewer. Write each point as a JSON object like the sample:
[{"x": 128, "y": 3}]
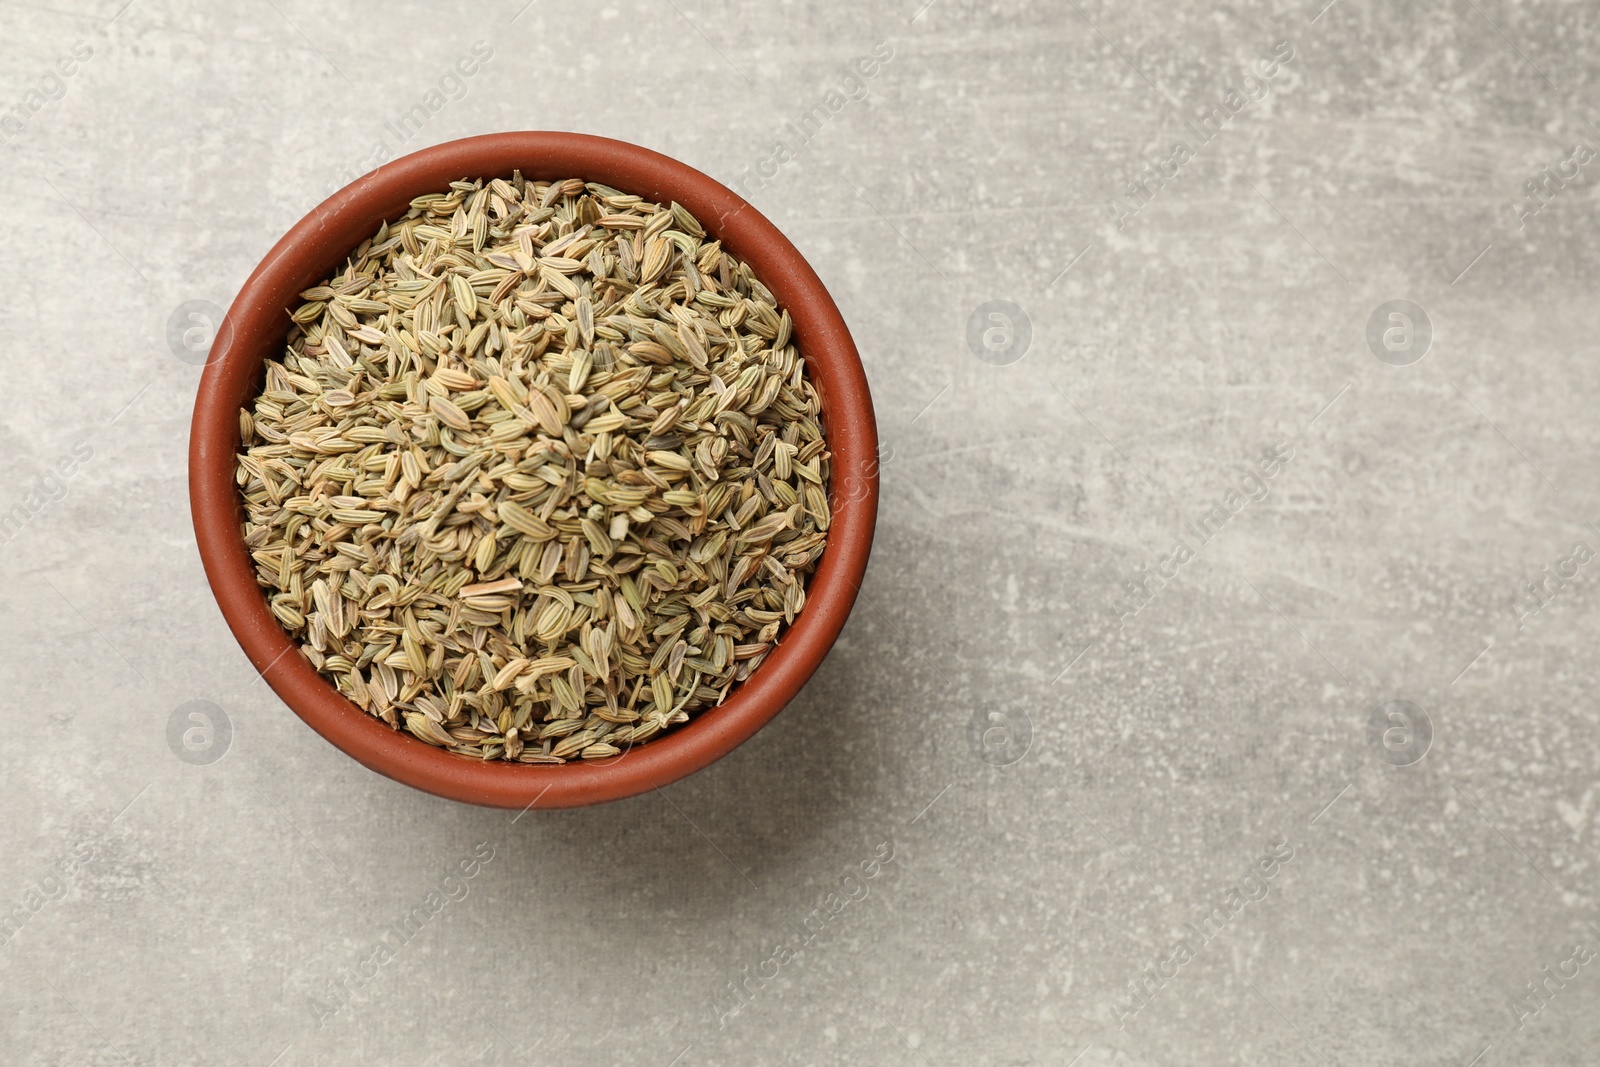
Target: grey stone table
[{"x": 1222, "y": 688}]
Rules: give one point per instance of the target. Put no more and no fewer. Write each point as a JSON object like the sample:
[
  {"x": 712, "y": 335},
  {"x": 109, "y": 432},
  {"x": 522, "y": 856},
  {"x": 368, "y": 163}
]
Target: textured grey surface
[{"x": 166, "y": 912}]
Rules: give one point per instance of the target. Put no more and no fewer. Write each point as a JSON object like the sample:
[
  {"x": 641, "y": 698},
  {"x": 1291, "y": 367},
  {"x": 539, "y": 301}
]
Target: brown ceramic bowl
[{"x": 256, "y": 327}]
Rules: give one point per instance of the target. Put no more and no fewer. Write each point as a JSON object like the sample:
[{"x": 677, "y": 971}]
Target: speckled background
[{"x": 1140, "y": 792}]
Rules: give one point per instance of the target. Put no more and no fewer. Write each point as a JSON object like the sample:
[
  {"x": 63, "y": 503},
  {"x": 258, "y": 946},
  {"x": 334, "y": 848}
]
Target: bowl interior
[{"x": 256, "y": 328}]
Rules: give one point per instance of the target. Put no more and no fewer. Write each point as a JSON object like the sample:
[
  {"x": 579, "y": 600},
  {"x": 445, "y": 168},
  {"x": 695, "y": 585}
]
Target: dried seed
[{"x": 550, "y": 522}]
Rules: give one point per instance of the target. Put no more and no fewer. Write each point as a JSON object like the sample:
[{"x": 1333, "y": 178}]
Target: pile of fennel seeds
[{"x": 540, "y": 474}]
